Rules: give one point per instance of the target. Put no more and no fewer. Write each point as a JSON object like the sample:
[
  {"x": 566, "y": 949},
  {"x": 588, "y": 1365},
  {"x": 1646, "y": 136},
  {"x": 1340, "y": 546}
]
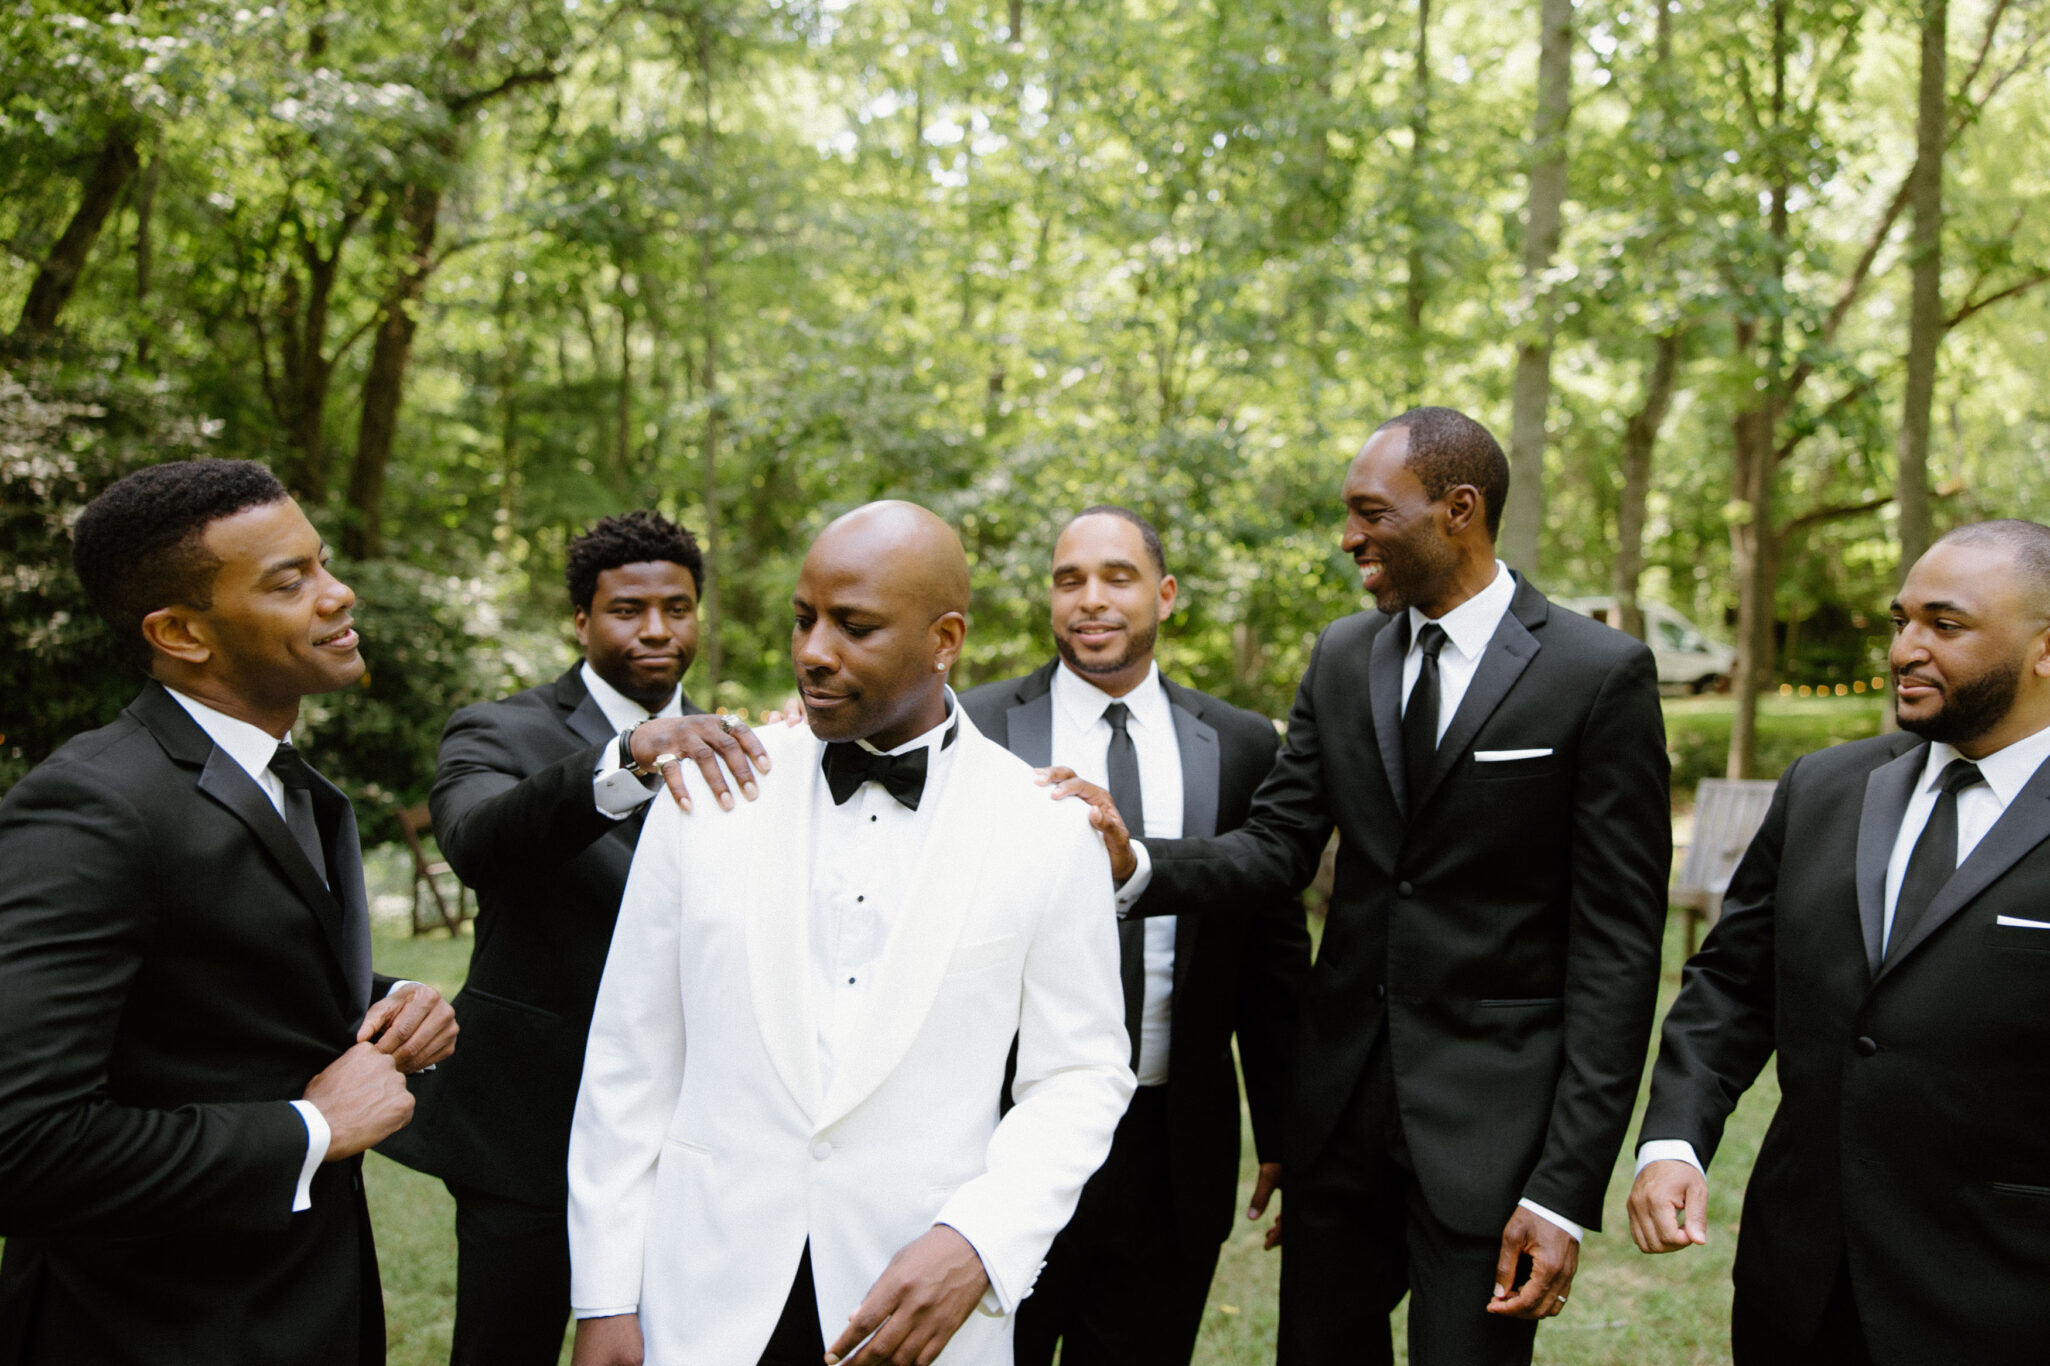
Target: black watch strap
[{"x": 626, "y": 753}]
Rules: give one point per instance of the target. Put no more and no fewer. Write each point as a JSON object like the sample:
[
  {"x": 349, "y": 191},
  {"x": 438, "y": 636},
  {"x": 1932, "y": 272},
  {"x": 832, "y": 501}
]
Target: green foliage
[{"x": 1698, "y": 734}]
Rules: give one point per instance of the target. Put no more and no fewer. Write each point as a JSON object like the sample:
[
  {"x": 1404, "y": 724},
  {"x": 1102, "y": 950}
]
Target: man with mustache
[
  {"x": 1887, "y": 936},
  {"x": 194, "y": 1051},
  {"x": 1475, "y": 1024},
  {"x": 538, "y": 799},
  {"x": 1127, "y": 1279},
  {"x": 787, "y": 1144}
]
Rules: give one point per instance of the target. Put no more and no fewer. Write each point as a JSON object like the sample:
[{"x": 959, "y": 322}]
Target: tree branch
[
  {"x": 2021, "y": 286},
  {"x": 1819, "y": 516},
  {"x": 461, "y": 104}
]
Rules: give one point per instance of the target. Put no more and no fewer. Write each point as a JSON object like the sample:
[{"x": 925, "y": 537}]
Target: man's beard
[
  {"x": 1969, "y": 710},
  {"x": 1141, "y": 640}
]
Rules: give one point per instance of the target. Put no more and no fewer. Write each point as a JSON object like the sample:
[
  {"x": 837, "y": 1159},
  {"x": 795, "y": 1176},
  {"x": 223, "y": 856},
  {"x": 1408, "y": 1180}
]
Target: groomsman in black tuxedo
[
  {"x": 1476, "y": 1022},
  {"x": 1887, "y": 938},
  {"x": 194, "y": 1052},
  {"x": 1127, "y": 1280},
  {"x": 538, "y": 800}
]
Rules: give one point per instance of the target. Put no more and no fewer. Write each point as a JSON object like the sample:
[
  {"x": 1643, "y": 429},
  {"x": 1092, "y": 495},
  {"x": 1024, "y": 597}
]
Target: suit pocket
[
  {"x": 1499, "y": 769},
  {"x": 508, "y": 1003},
  {"x": 686, "y": 1145},
  {"x": 2015, "y": 1188},
  {"x": 2017, "y": 937},
  {"x": 1521, "y": 1002},
  {"x": 983, "y": 953}
]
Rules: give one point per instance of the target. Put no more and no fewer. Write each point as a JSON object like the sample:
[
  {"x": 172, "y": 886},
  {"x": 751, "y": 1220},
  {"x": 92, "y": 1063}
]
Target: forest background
[{"x": 1752, "y": 290}]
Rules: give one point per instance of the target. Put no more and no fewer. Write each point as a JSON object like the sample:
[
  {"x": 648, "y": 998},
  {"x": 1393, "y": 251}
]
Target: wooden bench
[
  {"x": 412, "y": 821},
  {"x": 1727, "y": 813}
]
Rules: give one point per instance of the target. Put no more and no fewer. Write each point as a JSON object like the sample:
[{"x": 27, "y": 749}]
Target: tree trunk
[
  {"x": 708, "y": 298},
  {"x": 1925, "y": 318},
  {"x": 1523, "y": 520},
  {"x": 1640, "y": 437},
  {"x": 384, "y": 383},
  {"x": 1416, "y": 285},
  {"x": 145, "y": 262},
  {"x": 622, "y": 454},
  {"x": 58, "y": 276}
]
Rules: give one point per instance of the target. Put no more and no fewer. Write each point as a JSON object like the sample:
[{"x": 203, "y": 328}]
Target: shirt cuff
[
  {"x": 1135, "y": 885},
  {"x": 617, "y": 793},
  {"x": 611, "y": 1313},
  {"x": 1667, "y": 1150},
  {"x": 318, "y": 1136},
  {"x": 994, "y": 1302},
  {"x": 1560, "y": 1220}
]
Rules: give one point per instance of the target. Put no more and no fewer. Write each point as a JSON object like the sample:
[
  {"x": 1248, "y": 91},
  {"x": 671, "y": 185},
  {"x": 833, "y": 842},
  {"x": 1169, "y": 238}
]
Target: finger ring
[
  {"x": 726, "y": 724},
  {"x": 663, "y": 761},
  {"x": 1560, "y": 1298}
]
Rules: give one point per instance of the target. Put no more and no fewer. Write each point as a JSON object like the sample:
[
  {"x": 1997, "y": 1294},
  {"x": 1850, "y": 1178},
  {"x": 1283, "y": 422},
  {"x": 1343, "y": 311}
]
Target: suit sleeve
[
  {"x": 1073, "y": 1083},
  {"x": 1622, "y": 852},
  {"x": 1719, "y": 1033},
  {"x": 74, "y": 936},
  {"x": 1273, "y": 966},
  {"x": 633, "y": 1073},
  {"x": 1275, "y": 852},
  {"x": 497, "y": 819}
]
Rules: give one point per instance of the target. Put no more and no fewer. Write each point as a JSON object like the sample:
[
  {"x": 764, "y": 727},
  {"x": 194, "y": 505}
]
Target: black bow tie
[{"x": 848, "y": 766}]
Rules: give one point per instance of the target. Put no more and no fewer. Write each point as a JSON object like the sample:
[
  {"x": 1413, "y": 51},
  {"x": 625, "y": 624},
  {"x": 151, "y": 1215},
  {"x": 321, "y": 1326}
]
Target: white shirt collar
[
  {"x": 249, "y": 745},
  {"x": 1084, "y": 703},
  {"x": 620, "y": 710},
  {"x": 2006, "y": 770},
  {"x": 929, "y": 738},
  {"x": 1471, "y": 625}
]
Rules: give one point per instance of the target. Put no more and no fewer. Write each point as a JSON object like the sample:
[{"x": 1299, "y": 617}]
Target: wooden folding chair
[
  {"x": 1727, "y": 813},
  {"x": 413, "y": 820}
]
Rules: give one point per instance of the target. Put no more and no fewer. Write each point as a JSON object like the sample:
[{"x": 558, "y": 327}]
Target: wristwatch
[{"x": 626, "y": 754}]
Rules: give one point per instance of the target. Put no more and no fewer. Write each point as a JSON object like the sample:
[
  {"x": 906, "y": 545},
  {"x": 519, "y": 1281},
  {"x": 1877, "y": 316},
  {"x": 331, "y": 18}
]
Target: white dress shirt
[
  {"x": 1081, "y": 741},
  {"x": 1979, "y": 806},
  {"x": 1468, "y": 629},
  {"x": 251, "y": 747},
  {"x": 863, "y": 854},
  {"x": 615, "y": 792}
]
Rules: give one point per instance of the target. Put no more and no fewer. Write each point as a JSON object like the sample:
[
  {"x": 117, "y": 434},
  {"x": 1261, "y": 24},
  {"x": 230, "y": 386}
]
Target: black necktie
[
  {"x": 1131, "y": 804},
  {"x": 1935, "y": 855},
  {"x": 298, "y": 780},
  {"x": 847, "y": 766},
  {"x": 1420, "y": 716}
]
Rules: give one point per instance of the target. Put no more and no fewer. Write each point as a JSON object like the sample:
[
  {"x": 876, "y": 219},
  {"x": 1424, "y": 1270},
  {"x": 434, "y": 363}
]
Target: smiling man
[
  {"x": 822, "y": 1172},
  {"x": 1127, "y": 1279},
  {"x": 194, "y": 1051},
  {"x": 538, "y": 799},
  {"x": 1474, "y": 1027},
  {"x": 1887, "y": 936}
]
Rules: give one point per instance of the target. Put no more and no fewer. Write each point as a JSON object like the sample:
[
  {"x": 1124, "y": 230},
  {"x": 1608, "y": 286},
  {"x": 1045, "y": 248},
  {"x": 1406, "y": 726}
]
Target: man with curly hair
[
  {"x": 196, "y": 1050},
  {"x": 538, "y": 800}
]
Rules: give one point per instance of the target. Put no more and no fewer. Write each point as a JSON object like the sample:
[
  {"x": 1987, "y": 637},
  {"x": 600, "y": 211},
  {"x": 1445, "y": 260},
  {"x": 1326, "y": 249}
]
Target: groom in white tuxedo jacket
[{"x": 787, "y": 1145}]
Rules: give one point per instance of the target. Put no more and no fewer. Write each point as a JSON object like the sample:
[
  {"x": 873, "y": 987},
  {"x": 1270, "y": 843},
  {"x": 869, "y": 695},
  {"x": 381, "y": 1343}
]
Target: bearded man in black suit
[
  {"x": 196, "y": 1052},
  {"x": 1887, "y": 938},
  {"x": 538, "y": 800},
  {"x": 1127, "y": 1279},
  {"x": 1476, "y": 1021}
]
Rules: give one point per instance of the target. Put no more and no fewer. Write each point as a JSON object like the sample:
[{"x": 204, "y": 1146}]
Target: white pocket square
[
  {"x": 1502, "y": 756},
  {"x": 2017, "y": 923}
]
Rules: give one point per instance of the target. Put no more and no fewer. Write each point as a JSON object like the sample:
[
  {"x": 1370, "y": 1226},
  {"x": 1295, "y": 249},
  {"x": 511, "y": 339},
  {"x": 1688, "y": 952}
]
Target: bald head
[
  {"x": 2026, "y": 546},
  {"x": 879, "y": 616}
]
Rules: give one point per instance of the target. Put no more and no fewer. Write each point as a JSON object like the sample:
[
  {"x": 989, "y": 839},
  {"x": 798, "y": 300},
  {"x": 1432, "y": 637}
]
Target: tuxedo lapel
[
  {"x": 1030, "y": 724},
  {"x": 778, "y": 912},
  {"x": 1888, "y": 789},
  {"x": 2024, "y": 825},
  {"x": 1508, "y": 654},
  {"x": 1384, "y": 686},
  {"x": 1202, "y": 761},
  {"x": 925, "y": 929},
  {"x": 586, "y": 718}
]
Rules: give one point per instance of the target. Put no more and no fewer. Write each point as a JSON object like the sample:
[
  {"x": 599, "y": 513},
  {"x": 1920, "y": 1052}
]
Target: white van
[{"x": 1688, "y": 661}]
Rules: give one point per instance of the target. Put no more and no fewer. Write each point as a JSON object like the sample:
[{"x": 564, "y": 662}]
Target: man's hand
[
  {"x": 917, "y": 1305},
  {"x": 1669, "y": 1207},
  {"x": 363, "y": 1098},
  {"x": 413, "y": 1024},
  {"x": 708, "y": 741},
  {"x": 611, "y": 1341},
  {"x": 1103, "y": 814},
  {"x": 1264, "y": 1187},
  {"x": 1554, "y": 1257}
]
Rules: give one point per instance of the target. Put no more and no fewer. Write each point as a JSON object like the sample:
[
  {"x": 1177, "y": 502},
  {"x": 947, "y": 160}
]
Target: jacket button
[
  {"x": 1866, "y": 1047},
  {"x": 1380, "y": 991},
  {"x": 821, "y": 1150},
  {"x": 1403, "y": 889}
]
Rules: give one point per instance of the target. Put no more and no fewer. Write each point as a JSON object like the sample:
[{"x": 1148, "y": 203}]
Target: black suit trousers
[
  {"x": 1121, "y": 1286},
  {"x": 512, "y": 1280},
  {"x": 1360, "y": 1236}
]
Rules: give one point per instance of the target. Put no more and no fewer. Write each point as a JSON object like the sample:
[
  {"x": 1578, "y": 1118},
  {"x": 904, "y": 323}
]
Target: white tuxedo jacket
[{"x": 704, "y": 1154}]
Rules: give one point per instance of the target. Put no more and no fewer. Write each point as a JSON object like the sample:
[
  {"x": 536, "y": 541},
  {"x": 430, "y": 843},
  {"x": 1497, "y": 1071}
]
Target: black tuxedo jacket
[
  {"x": 1913, "y": 1131},
  {"x": 514, "y": 817},
  {"x": 1240, "y": 974},
  {"x": 172, "y": 972},
  {"x": 1502, "y": 925}
]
